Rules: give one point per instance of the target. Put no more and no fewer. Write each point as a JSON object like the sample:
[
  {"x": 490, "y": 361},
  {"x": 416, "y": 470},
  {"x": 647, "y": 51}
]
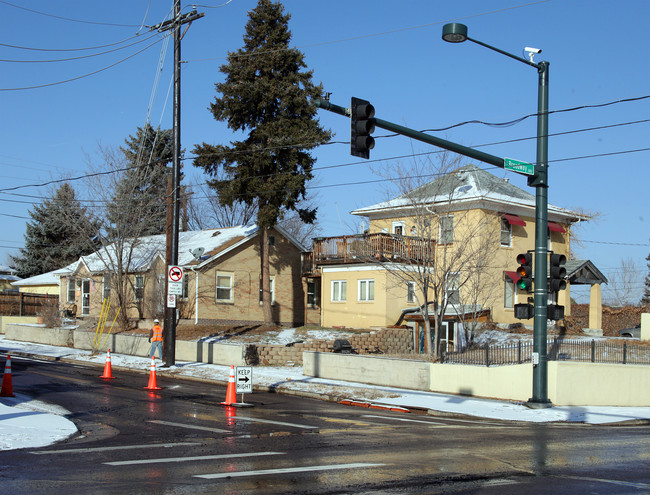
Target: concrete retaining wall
[
  {"x": 11, "y": 320},
  {"x": 569, "y": 383},
  {"x": 39, "y": 334},
  {"x": 366, "y": 369}
]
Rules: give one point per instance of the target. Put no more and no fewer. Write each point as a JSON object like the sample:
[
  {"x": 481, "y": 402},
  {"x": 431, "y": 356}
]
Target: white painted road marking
[
  {"x": 194, "y": 458},
  {"x": 191, "y": 427},
  {"x": 271, "y": 422},
  {"x": 122, "y": 447},
  {"x": 643, "y": 486},
  {"x": 304, "y": 469}
]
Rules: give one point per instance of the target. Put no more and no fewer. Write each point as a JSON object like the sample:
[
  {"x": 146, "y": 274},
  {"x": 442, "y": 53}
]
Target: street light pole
[{"x": 457, "y": 33}]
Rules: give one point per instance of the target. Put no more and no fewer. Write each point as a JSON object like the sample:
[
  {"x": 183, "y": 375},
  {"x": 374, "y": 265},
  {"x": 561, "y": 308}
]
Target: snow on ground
[{"x": 26, "y": 423}]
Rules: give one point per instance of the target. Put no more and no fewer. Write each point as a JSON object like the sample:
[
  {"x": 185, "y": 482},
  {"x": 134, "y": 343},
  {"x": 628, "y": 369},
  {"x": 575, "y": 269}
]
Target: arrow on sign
[{"x": 245, "y": 379}]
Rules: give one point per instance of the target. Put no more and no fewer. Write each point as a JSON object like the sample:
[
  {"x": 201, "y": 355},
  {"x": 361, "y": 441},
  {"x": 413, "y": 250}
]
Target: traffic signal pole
[{"x": 539, "y": 180}]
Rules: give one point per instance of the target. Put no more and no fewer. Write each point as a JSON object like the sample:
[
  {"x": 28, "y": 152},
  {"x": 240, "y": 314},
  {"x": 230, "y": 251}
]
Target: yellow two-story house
[{"x": 458, "y": 236}]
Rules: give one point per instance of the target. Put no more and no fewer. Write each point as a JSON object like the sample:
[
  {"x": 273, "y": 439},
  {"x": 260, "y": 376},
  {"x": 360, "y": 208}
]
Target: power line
[
  {"x": 383, "y": 33},
  {"x": 67, "y": 18},
  {"x": 85, "y": 75},
  {"x": 81, "y": 57}
]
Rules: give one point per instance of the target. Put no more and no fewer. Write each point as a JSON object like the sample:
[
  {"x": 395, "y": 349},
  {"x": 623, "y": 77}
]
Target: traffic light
[
  {"x": 525, "y": 272},
  {"x": 524, "y": 311},
  {"x": 362, "y": 125},
  {"x": 557, "y": 273}
]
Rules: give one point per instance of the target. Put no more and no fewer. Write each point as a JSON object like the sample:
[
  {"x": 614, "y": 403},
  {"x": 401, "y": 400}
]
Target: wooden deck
[{"x": 363, "y": 248}]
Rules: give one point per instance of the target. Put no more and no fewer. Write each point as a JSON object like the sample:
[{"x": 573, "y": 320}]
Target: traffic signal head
[
  {"x": 362, "y": 125},
  {"x": 557, "y": 272},
  {"x": 525, "y": 272}
]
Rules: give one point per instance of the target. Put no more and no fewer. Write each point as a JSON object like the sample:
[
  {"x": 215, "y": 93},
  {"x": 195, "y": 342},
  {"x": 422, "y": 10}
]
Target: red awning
[
  {"x": 514, "y": 219},
  {"x": 555, "y": 227},
  {"x": 513, "y": 276}
]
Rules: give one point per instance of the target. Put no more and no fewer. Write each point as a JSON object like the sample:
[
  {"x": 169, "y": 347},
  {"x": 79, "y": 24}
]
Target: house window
[
  {"x": 339, "y": 290},
  {"x": 506, "y": 233},
  {"x": 271, "y": 240},
  {"x": 224, "y": 287},
  {"x": 106, "y": 286},
  {"x": 186, "y": 286},
  {"x": 71, "y": 290},
  {"x": 410, "y": 292},
  {"x": 366, "y": 290},
  {"x": 398, "y": 228},
  {"x": 509, "y": 293},
  {"x": 447, "y": 229},
  {"x": 452, "y": 288},
  {"x": 139, "y": 287},
  {"x": 311, "y": 293},
  {"x": 272, "y": 287}
]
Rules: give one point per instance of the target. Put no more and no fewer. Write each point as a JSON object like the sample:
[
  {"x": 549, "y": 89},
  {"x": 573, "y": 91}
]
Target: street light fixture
[{"x": 457, "y": 33}]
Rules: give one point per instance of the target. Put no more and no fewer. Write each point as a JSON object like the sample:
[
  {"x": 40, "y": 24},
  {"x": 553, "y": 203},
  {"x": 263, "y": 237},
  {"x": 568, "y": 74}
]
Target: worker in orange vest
[{"x": 156, "y": 339}]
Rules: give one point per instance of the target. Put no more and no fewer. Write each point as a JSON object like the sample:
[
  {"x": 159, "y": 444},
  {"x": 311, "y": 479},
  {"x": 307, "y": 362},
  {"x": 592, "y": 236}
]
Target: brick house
[{"x": 221, "y": 281}]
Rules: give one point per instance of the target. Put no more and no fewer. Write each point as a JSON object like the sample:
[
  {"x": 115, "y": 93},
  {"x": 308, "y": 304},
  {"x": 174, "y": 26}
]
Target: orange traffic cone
[
  {"x": 107, "y": 367},
  {"x": 231, "y": 392},
  {"x": 7, "y": 388},
  {"x": 152, "y": 376}
]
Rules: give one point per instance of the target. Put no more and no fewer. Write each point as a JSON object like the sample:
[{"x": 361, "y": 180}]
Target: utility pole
[{"x": 169, "y": 329}]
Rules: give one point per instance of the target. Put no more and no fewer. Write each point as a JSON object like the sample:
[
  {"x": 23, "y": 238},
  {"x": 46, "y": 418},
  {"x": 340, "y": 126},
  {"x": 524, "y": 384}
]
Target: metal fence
[
  {"x": 594, "y": 351},
  {"x": 23, "y": 304}
]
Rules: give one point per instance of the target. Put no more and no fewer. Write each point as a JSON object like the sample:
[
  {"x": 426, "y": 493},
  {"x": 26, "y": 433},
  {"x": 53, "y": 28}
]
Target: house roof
[
  {"x": 583, "y": 272},
  {"x": 462, "y": 188},
  {"x": 49, "y": 278},
  {"x": 213, "y": 243}
]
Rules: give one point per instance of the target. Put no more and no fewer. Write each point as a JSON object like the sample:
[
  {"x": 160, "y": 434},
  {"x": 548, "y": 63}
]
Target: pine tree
[
  {"x": 139, "y": 200},
  {"x": 646, "y": 293},
  {"x": 266, "y": 93},
  {"x": 57, "y": 234}
]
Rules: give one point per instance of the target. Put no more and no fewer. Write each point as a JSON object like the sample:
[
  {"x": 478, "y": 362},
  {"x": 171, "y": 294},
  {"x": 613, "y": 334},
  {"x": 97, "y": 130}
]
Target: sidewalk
[{"x": 24, "y": 419}]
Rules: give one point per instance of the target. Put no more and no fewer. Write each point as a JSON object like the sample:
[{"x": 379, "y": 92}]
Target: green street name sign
[{"x": 519, "y": 166}]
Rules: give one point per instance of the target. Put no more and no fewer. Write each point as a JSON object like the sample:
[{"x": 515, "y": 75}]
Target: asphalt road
[{"x": 181, "y": 440}]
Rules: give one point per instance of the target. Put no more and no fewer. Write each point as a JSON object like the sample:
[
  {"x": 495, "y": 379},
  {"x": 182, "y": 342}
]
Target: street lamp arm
[{"x": 498, "y": 50}]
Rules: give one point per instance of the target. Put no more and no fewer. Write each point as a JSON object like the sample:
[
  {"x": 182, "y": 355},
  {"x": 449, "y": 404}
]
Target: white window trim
[
  {"x": 399, "y": 223},
  {"x": 343, "y": 295},
  {"x": 272, "y": 287},
  {"x": 505, "y": 222},
  {"x": 71, "y": 282},
  {"x": 367, "y": 282},
  {"x": 440, "y": 231},
  {"x": 410, "y": 292},
  {"x": 104, "y": 286},
  {"x": 136, "y": 287},
  {"x": 230, "y": 287},
  {"x": 451, "y": 277},
  {"x": 509, "y": 304}
]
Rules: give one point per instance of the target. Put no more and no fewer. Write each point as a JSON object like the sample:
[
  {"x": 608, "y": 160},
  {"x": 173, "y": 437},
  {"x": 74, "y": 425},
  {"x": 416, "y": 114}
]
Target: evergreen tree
[
  {"x": 646, "y": 293},
  {"x": 266, "y": 93},
  {"x": 57, "y": 234},
  {"x": 139, "y": 199}
]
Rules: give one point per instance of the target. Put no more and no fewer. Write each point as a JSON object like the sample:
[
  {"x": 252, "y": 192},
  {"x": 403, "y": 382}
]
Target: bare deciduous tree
[{"x": 449, "y": 247}]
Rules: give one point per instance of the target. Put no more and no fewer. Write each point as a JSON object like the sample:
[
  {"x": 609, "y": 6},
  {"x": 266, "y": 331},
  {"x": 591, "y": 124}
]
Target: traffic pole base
[{"x": 534, "y": 404}]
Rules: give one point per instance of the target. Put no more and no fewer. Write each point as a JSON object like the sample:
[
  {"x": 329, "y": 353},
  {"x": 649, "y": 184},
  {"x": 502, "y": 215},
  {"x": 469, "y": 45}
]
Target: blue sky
[{"x": 390, "y": 53}]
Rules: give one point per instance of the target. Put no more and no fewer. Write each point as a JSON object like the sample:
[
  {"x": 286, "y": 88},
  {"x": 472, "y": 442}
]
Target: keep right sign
[{"x": 244, "y": 379}]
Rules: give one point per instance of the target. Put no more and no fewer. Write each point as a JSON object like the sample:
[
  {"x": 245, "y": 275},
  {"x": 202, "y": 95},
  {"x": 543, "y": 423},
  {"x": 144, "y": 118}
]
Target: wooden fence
[{"x": 25, "y": 304}]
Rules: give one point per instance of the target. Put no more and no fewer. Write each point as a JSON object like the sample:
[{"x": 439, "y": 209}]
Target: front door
[
  {"x": 85, "y": 297},
  {"x": 447, "y": 336}
]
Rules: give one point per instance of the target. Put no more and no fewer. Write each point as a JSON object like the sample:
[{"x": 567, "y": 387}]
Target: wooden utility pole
[{"x": 169, "y": 329}]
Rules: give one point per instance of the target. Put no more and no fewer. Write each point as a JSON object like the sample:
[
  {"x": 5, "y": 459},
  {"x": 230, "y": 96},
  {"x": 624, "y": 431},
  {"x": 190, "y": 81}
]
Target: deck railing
[{"x": 366, "y": 247}]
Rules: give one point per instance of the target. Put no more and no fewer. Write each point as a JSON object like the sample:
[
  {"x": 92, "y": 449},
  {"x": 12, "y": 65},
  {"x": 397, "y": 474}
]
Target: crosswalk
[{"x": 215, "y": 466}]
